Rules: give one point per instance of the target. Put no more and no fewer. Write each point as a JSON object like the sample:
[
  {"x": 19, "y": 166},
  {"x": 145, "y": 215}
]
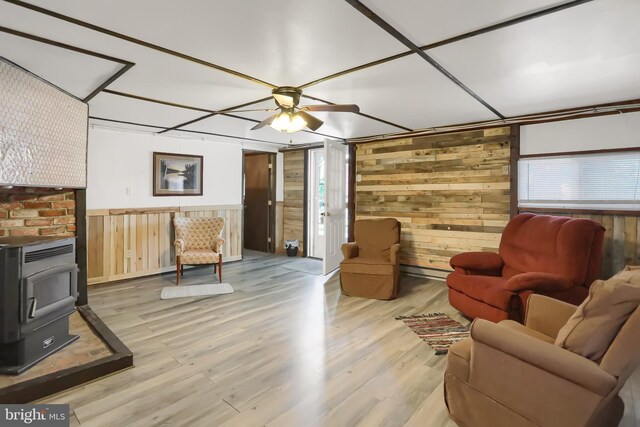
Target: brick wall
[{"x": 37, "y": 212}]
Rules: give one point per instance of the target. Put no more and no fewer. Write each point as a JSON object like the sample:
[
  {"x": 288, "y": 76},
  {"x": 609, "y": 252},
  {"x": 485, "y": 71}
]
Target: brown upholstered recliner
[
  {"x": 371, "y": 266},
  {"x": 510, "y": 375},
  {"x": 554, "y": 256}
]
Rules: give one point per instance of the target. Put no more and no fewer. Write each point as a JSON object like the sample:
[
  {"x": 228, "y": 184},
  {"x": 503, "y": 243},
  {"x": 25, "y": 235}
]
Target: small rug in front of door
[
  {"x": 305, "y": 265},
  {"x": 436, "y": 329}
]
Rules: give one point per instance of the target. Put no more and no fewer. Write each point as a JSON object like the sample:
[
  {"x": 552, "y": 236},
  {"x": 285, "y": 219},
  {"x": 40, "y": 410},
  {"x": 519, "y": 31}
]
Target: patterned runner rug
[{"x": 437, "y": 329}]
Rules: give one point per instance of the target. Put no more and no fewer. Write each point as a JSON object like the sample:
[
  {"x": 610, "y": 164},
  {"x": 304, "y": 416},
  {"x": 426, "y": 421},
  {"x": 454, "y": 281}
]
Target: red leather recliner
[{"x": 555, "y": 256}]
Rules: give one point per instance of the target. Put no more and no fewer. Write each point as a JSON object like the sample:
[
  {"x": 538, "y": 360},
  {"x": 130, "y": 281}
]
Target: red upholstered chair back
[{"x": 552, "y": 244}]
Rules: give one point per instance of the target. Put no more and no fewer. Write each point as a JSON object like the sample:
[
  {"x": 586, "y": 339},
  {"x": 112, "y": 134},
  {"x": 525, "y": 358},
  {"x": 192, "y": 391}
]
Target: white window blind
[{"x": 589, "y": 181}]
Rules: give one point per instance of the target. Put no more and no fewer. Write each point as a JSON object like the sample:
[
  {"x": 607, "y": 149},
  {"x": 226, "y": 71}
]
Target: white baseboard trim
[{"x": 430, "y": 273}]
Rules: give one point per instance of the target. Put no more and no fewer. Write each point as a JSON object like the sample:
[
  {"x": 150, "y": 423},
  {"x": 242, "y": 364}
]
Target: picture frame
[{"x": 177, "y": 174}]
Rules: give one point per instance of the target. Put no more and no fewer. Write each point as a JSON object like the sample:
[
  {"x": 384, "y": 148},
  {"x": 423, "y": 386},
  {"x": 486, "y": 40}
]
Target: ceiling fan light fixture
[
  {"x": 296, "y": 124},
  {"x": 288, "y": 122}
]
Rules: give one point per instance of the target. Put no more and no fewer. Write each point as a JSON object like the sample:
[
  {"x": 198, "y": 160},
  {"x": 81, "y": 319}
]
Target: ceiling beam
[
  {"x": 416, "y": 49},
  {"x": 584, "y": 112},
  {"x": 137, "y": 41},
  {"x": 204, "y": 110},
  {"x": 187, "y": 131},
  {"x": 484, "y": 30},
  {"x": 215, "y": 113},
  {"x": 176, "y": 105},
  {"x": 107, "y": 82}
]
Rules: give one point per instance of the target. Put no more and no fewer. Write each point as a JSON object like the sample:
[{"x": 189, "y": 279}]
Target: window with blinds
[{"x": 588, "y": 181}]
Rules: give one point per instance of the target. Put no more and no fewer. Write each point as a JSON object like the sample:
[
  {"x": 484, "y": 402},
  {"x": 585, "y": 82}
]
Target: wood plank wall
[
  {"x": 293, "y": 211},
  {"x": 125, "y": 243},
  {"x": 621, "y": 239},
  {"x": 451, "y": 192}
]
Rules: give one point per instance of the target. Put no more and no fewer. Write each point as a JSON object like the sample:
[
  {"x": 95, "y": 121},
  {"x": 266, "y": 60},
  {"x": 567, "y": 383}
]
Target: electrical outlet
[{"x": 127, "y": 254}]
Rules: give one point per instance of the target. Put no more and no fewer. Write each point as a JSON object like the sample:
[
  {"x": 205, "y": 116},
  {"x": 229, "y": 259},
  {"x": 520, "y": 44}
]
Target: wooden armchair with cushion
[
  {"x": 549, "y": 255},
  {"x": 371, "y": 266},
  {"x": 198, "y": 241},
  {"x": 563, "y": 367}
]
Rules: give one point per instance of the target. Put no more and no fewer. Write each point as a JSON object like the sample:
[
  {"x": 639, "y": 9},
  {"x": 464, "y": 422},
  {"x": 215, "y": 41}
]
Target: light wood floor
[{"x": 286, "y": 349}]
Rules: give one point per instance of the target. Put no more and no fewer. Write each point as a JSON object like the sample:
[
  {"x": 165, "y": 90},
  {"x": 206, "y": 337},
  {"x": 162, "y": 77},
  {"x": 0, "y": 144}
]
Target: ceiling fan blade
[
  {"x": 284, "y": 100},
  {"x": 246, "y": 111},
  {"x": 312, "y": 122},
  {"x": 265, "y": 122},
  {"x": 342, "y": 108}
]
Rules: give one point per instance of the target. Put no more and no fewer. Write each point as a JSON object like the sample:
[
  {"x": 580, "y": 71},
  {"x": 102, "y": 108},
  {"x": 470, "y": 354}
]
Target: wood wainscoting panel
[
  {"x": 294, "y": 175},
  {"x": 125, "y": 243},
  {"x": 451, "y": 192}
]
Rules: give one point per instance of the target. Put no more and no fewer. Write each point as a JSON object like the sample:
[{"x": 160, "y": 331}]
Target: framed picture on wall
[{"x": 177, "y": 174}]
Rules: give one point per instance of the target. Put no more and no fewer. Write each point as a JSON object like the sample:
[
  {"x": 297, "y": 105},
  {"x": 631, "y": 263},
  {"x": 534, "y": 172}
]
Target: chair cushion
[
  {"x": 199, "y": 256},
  {"x": 198, "y": 233},
  {"x": 375, "y": 236},
  {"x": 488, "y": 289},
  {"x": 597, "y": 321},
  {"x": 361, "y": 265},
  {"x": 519, "y": 327}
]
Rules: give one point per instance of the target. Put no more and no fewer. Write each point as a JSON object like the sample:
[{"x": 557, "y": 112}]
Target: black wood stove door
[{"x": 48, "y": 291}]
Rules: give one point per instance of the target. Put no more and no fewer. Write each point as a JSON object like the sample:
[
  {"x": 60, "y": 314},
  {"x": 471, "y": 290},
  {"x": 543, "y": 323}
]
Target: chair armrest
[
  {"x": 350, "y": 250},
  {"x": 179, "y": 244},
  {"x": 394, "y": 254},
  {"x": 217, "y": 244},
  {"x": 478, "y": 262},
  {"x": 539, "y": 282},
  {"x": 547, "y": 315},
  {"x": 542, "y": 355}
]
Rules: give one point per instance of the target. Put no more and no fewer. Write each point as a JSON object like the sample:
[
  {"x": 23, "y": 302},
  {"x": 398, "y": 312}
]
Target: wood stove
[{"x": 38, "y": 290}]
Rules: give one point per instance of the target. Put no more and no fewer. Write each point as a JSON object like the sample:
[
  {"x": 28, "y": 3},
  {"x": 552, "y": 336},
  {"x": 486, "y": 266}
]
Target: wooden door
[
  {"x": 256, "y": 201},
  {"x": 335, "y": 182}
]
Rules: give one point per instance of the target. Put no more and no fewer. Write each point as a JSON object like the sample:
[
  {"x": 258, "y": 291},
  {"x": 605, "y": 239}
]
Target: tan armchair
[
  {"x": 508, "y": 374},
  {"x": 198, "y": 241},
  {"x": 371, "y": 265}
]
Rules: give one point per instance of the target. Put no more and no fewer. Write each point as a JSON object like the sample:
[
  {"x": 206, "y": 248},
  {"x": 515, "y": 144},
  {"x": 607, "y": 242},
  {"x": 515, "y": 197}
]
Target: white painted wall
[
  {"x": 595, "y": 133},
  {"x": 118, "y": 160}
]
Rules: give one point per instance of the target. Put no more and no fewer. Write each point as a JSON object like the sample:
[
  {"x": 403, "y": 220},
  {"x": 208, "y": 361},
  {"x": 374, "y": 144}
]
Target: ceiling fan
[{"x": 293, "y": 118}]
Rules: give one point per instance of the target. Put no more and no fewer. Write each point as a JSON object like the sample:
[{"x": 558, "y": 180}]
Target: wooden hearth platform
[{"x": 98, "y": 352}]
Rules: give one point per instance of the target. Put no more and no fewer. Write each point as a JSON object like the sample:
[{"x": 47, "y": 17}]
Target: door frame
[
  {"x": 307, "y": 194},
  {"x": 305, "y": 207},
  {"x": 271, "y": 215}
]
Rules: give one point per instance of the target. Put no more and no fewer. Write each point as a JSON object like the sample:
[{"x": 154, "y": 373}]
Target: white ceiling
[
  {"x": 77, "y": 73},
  {"x": 583, "y": 55}
]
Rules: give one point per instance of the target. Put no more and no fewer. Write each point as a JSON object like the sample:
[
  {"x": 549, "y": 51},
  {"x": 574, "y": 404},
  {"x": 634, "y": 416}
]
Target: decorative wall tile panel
[{"x": 43, "y": 132}]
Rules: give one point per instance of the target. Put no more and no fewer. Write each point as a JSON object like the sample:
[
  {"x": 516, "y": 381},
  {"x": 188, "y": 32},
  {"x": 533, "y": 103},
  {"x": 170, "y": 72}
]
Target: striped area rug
[{"x": 437, "y": 329}]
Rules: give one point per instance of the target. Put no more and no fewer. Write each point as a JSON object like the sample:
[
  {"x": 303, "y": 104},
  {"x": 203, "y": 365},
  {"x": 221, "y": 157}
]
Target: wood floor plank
[{"x": 285, "y": 349}]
